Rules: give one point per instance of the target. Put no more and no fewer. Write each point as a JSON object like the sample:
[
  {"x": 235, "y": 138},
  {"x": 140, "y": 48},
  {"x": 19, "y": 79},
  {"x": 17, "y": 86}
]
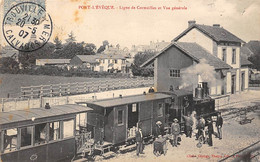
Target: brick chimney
[
  {"x": 191, "y": 22},
  {"x": 216, "y": 25}
]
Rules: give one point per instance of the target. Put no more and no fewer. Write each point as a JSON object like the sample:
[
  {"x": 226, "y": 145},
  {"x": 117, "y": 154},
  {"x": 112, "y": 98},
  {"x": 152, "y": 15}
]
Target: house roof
[
  {"x": 93, "y": 58},
  {"x": 107, "y": 56},
  {"x": 196, "y": 52},
  {"x": 244, "y": 61},
  {"x": 87, "y": 58},
  {"x": 216, "y": 33},
  {"x": 54, "y": 61},
  {"x": 245, "y": 51},
  {"x": 128, "y": 100},
  {"x": 18, "y": 116}
]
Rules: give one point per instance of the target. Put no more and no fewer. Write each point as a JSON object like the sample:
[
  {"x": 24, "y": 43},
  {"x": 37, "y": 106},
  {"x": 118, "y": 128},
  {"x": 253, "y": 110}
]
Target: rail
[
  {"x": 245, "y": 155},
  {"x": 83, "y": 87}
]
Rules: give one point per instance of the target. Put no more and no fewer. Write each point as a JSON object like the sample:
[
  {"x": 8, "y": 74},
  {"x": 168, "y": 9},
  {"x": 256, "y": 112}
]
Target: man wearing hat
[
  {"x": 159, "y": 130},
  {"x": 210, "y": 131},
  {"x": 139, "y": 140},
  {"x": 175, "y": 130}
]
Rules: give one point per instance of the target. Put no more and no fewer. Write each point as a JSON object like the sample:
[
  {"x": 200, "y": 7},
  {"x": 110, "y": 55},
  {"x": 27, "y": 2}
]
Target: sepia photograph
[{"x": 129, "y": 80}]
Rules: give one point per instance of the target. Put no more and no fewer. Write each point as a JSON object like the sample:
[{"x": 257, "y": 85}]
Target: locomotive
[{"x": 98, "y": 127}]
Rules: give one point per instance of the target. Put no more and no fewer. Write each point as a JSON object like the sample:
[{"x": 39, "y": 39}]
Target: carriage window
[
  {"x": 54, "y": 133},
  {"x": 120, "y": 117},
  {"x": 160, "y": 110},
  {"x": 68, "y": 128},
  {"x": 26, "y": 136},
  {"x": 134, "y": 108},
  {"x": 40, "y": 133},
  {"x": 10, "y": 140}
]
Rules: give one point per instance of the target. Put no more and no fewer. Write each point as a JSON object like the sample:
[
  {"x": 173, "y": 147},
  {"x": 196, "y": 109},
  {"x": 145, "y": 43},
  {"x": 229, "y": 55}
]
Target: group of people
[
  {"x": 204, "y": 130},
  {"x": 204, "y": 127}
]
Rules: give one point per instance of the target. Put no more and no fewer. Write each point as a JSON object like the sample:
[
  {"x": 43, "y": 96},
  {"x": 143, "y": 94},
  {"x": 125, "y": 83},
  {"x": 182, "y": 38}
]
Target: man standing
[
  {"x": 175, "y": 131},
  {"x": 139, "y": 141},
  {"x": 159, "y": 129},
  {"x": 210, "y": 132},
  {"x": 188, "y": 125},
  {"x": 219, "y": 124}
]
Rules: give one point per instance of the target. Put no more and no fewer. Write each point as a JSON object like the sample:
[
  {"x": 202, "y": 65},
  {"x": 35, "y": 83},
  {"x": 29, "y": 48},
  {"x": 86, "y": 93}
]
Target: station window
[
  {"x": 68, "y": 128},
  {"x": 120, "y": 117},
  {"x": 115, "y": 61},
  {"x": 40, "y": 133},
  {"x": 160, "y": 110},
  {"x": 10, "y": 140},
  {"x": 134, "y": 107},
  {"x": 54, "y": 133},
  {"x": 26, "y": 136},
  {"x": 174, "y": 73},
  {"x": 224, "y": 54},
  {"x": 234, "y": 56}
]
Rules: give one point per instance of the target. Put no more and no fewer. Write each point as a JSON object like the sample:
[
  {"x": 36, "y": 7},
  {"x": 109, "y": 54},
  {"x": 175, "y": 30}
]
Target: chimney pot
[
  {"x": 47, "y": 106},
  {"x": 216, "y": 25},
  {"x": 191, "y": 22}
]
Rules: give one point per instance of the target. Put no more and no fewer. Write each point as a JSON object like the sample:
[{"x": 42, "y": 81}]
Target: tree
[
  {"x": 72, "y": 49},
  {"x": 28, "y": 59},
  {"x": 58, "y": 43},
  {"x": 71, "y": 38},
  {"x": 9, "y": 63},
  {"x": 139, "y": 59},
  {"x": 103, "y": 46},
  {"x": 105, "y": 43}
]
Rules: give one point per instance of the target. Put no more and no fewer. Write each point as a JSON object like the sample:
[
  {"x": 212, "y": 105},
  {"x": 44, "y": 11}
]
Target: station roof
[
  {"x": 196, "y": 52},
  {"x": 128, "y": 100},
  {"x": 39, "y": 113},
  {"x": 216, "y": 33}
]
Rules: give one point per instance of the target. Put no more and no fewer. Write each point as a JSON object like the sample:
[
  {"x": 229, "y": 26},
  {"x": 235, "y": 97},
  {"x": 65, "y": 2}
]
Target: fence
[
  {"x": 83, "y": 87},
  {"x": 10, "y": 104}
]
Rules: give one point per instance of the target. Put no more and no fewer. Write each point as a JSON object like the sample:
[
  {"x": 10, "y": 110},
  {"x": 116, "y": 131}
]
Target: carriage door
[
  {"x": 145, "y": 117},
  {"x": 120, "y": 124}
]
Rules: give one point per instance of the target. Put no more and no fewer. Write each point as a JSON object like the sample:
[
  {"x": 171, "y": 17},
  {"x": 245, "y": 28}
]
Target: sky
[{"x": 135, "y": 27}]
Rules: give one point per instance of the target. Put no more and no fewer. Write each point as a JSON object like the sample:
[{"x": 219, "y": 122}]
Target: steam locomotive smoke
[{"x": 207, "y": 74}]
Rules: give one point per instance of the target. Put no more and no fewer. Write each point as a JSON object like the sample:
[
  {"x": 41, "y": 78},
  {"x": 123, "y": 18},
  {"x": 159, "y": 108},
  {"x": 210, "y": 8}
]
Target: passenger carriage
[
  {"x": 120, "y": 116},
  {"x": 40, "y": 134}
]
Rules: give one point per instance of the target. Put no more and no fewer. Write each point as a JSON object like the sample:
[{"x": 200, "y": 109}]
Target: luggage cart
[{"x": 160, "y": 146}]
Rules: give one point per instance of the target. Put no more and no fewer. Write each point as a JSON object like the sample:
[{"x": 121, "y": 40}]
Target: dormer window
[{"x": 234, "y": 56}]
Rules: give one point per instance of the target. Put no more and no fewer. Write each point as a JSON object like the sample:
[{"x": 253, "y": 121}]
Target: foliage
[
  {"x": 27, "y": 59},
  {"x": 58, "y": 43},
  {"x": 139, "y": 59},
  {"x": 71, "y": 38},
  {"x": 254, "y": 46},
  {"x": 103, "y": 46},
  {"x": 9, "y": 63},
  {"x": 72, "y": 49}
]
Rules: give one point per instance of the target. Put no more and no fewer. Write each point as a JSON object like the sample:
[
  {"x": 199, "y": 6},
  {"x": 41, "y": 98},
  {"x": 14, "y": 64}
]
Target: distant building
[
  {"x": 152, "y": 47},
  {"x": 52, "y": 62},
  {"x": 101, "y": 62},
  {"x": 84, "y": 61}
]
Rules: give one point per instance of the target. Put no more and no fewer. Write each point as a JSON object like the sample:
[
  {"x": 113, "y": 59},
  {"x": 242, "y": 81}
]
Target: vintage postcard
[{"x": 129, "y": 80}]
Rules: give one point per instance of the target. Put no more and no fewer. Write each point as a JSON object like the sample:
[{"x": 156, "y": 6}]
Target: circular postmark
[{"x": 27, "y": 27}]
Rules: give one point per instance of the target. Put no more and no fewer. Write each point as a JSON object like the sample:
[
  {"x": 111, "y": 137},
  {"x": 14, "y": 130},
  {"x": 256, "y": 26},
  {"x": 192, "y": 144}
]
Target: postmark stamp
[{"x": 27, "y": 27}]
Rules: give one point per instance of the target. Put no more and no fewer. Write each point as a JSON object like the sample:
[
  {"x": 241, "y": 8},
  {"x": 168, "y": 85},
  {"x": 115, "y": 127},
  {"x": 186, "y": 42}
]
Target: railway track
[
  {"x": 246, "y": 154},
  {"x": 234, "y": 113}
]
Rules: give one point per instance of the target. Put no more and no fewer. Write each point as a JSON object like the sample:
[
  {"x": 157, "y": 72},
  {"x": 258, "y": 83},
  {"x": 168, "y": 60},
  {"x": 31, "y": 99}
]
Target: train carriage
[
  {"x": 40, "y": 134},
  {"x": 121, "y": 115}
]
